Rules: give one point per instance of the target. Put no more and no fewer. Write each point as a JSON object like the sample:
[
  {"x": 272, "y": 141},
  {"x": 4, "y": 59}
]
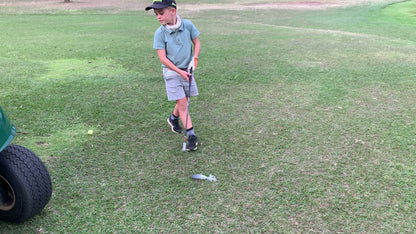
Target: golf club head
[
  {"x": 184, "y": 147},
  {"x": 209, "y": 178}
]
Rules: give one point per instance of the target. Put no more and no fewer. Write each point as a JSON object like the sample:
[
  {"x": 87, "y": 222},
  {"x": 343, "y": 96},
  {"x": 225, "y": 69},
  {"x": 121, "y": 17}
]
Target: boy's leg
[{"x": 180, "y": 110}]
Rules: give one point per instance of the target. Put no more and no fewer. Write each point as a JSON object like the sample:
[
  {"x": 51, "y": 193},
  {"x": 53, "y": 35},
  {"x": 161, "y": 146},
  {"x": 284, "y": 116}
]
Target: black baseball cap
[{"x": 160, "y": 4}]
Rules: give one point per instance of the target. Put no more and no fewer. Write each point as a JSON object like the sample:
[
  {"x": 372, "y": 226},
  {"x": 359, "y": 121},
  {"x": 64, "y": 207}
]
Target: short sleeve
[{"x": 192, "y": 29}]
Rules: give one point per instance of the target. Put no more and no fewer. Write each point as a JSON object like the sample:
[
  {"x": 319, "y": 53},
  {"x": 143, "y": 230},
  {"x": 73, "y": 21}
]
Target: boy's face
[{"x": 166, "y": 15}]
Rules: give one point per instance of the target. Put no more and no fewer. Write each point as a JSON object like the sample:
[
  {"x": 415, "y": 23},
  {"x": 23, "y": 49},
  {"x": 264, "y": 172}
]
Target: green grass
[{"x": 307, "y": 119}]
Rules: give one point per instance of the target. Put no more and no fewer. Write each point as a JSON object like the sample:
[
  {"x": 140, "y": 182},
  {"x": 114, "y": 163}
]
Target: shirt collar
[{"x": 170, "y": 31}]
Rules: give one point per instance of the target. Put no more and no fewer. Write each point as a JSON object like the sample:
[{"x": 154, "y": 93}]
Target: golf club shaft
[{"x": 187, "y": 111}]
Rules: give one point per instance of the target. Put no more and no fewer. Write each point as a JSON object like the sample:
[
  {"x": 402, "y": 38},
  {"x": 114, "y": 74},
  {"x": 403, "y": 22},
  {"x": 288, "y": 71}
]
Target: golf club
[{"x": 187, "y": 111}]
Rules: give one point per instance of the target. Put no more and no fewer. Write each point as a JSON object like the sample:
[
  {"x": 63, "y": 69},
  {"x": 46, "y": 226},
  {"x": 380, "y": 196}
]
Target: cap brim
[{"x": 155, "y": 6}]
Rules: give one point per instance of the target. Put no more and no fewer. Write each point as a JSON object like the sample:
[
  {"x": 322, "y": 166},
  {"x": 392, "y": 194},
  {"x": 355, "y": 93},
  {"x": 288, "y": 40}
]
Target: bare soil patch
[
  {"x": 294, "y": 5},
  {"x": 272, "y": 5},
  {"x": 78, "y": 4},
  {"x": 140, "y": 5}
]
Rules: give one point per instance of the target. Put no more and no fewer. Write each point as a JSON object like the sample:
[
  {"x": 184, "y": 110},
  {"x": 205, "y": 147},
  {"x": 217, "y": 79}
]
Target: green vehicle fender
[{"x": 7, "y": 130}]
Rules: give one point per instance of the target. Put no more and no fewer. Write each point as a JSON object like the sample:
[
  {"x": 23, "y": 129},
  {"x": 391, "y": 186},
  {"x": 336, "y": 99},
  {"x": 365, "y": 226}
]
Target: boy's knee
[{"x": 182, "y": 104}]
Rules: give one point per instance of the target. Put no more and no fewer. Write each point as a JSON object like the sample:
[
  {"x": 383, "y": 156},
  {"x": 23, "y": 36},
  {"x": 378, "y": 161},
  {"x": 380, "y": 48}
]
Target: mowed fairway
[{"x": 306, "y": 117}]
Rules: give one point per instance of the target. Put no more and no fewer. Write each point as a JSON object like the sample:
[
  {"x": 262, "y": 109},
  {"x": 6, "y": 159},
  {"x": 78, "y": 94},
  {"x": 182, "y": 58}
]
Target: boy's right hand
[{"x": 185, "y": 75}]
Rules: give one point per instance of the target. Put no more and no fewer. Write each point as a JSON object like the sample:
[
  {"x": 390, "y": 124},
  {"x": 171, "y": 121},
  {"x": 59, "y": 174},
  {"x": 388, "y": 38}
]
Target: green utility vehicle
[{"x": 25, "y": 183}]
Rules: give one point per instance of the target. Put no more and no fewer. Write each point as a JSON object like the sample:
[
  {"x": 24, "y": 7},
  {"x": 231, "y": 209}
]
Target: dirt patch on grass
[
  {"x": 293, "y": 5},
  {"x": 290, "y": 5},
  {"x": 140, "y": 5},
  {"x": 274, "y": 5},
  {"x": 78, "y": 4}
]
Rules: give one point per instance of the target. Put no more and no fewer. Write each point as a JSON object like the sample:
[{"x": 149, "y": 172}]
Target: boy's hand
[
  {"x": 185, "y": 75},
  {"x": 193, "y": 63}
]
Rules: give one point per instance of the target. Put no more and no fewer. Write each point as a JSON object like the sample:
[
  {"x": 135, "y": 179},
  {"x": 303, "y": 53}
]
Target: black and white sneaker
[
  {"x": 174, "y": 124},
  {"x": 192, "y": 143}
]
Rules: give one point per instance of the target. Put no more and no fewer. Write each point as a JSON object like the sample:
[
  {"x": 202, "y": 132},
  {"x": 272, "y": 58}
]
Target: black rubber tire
[{"x": 28, "y": 182}]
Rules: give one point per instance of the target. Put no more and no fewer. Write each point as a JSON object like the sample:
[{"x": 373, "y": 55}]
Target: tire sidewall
[
  {"x": 29, "y": 179},
  {"x": 19, "y": 185}
]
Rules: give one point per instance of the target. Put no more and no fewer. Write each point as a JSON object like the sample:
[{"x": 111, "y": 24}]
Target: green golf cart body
[
  {"x": 25, "y": 183},
  {"x": 7, "y": 131}
]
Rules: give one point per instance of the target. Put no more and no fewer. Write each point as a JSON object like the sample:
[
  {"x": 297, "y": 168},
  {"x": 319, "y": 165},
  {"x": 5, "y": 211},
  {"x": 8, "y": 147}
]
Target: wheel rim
[{"x": 7, "y": 196}]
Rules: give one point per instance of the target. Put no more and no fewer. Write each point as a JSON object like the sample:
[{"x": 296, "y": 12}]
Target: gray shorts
[{"x": 176, "y": 86}]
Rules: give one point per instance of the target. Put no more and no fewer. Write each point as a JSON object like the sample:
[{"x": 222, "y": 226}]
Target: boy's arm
[
  {"x": 165, "y": 61},
  {"x": 197, "y": 46}
]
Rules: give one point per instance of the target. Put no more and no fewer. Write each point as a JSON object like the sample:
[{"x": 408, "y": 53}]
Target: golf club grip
[
  {"x": 190, "y": 77},
  {"x": 190, "y": 83}
]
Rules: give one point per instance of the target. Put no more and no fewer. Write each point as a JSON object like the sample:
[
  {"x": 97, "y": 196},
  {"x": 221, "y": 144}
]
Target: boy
[{"x": 173, "y": 42}]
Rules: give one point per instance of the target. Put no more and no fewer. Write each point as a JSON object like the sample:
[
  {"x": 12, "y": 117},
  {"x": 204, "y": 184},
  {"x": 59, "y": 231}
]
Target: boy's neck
[{"x": 174, "y": 21}]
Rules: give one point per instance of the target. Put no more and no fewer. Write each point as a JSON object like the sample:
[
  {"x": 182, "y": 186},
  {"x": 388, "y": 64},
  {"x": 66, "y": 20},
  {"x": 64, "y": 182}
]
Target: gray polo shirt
[{"x": 178, "y": 43}]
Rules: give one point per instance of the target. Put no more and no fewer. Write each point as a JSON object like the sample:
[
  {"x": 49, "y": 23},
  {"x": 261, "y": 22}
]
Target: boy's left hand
[{"x": 193, "y": 63}]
